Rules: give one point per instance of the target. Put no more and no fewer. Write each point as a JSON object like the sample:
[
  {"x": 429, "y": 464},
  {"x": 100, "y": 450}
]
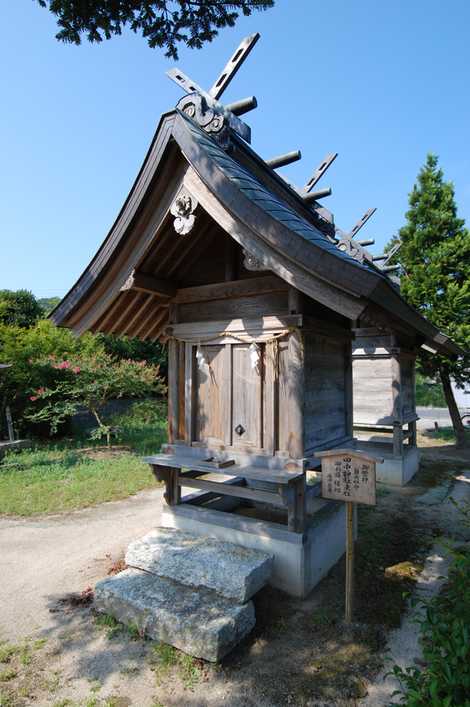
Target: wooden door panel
[
  {"x": 210, "y": 400},
  {"x": 246, "y": 397}
]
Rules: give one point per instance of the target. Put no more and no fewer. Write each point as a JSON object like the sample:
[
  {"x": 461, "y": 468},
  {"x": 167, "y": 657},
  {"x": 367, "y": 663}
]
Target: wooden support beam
[
  {"x": 232, "y": 490},
  {"x": 284, "y": 160},
  {"x": 124, "y": 312},
  {"x": 155, "y": 329},
  {"x": 136, "y": 315},
  {"x": 141, "y": 282},
  {"x": 244, "y": 105},
  {"x": 145, "y": 322},
  {"x": 232, "y": 288},
  {"x": 309, "y": 198}
]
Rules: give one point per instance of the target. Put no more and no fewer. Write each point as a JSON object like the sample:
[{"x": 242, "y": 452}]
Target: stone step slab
[
  {"x": 199, "y": 561},
  {"x": 198, "y": 622}
]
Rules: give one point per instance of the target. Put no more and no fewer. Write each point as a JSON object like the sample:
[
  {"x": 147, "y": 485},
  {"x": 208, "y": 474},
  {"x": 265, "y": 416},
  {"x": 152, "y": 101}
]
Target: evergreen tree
[
  {"x": 164, "y": 23},
  {"x": 435, "y": 278}
]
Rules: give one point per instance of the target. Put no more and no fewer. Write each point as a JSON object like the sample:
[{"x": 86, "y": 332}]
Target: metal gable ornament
[
  {"x": 250, "y": 262},
  {"x": 183, "y": 209}
]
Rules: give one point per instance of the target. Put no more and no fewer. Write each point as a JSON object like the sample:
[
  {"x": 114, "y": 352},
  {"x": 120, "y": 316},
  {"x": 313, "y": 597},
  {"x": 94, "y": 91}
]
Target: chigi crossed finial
[
  {"x": 207, "y": 110},
  {"x": 205, "y": 107}
]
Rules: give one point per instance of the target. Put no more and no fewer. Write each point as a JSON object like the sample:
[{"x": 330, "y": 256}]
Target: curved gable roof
[{"x": 295, "y": 247}]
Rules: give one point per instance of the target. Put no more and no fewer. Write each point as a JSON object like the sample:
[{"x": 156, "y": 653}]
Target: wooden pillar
[
  {"x": 295, "y": 301},
  {"x": 348, "y": 390},
  {"x": 396, "y": 387},
  {"x": 181, "y": 391},
  {"x": 295, "y": 444},
  {"x": 412, "y": 431},
  {"x": 349, "y": 562},
  {"x": 173, "y": 385},
  {"x": 190, "y": 393},
  {"x": 397, "y": 439},
  {"x": 296, "y": 505},
  {"x": 172, "y": 494},
  {"x": 173, "y": 371},
  {"x": 271, "y": 397},
  {"x": 227, "y": 394},
  {"x": 397, "y": 406}
]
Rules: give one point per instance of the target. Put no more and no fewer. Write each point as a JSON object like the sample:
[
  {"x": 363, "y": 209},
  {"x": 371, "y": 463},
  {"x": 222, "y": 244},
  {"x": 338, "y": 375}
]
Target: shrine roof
[{"x": 198, "y": 151}]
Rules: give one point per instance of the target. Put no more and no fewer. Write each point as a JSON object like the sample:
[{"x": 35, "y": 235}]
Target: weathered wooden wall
[
  {"x": 383, "y": 379},
  {"x": 326, "y": 412},
  {"x": 373, "y": 391}
]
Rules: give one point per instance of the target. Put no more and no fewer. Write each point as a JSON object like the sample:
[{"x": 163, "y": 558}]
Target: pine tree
[
  {"x": 163, "y": 23},
  {"x": 435, "y": 260}
]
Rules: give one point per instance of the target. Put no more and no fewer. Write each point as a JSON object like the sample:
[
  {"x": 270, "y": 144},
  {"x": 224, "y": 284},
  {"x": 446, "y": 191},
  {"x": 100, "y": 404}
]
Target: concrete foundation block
[
  {"x": 301, "y": 560},
  {"x": 198, "y": 622},
  {"x": 395, "y": 471},
  {"x": 199, "y": 561}
]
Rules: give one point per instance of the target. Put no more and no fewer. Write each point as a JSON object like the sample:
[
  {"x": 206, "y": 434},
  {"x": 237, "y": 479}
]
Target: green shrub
[
  {"x": 429, "y": 393},
  {"x": 90, "y": 380},
  {"x": 25, "y": 349}
]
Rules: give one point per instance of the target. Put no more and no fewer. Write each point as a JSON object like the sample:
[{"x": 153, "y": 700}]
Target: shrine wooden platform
[{"x": 287, "y": 488}]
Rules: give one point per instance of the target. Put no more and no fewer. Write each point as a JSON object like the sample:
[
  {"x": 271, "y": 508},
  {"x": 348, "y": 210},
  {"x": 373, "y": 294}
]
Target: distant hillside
[{"x": 48, "y": 303}]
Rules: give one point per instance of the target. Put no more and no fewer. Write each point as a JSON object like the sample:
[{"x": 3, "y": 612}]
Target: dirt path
[{"x": 46, "y": 557}]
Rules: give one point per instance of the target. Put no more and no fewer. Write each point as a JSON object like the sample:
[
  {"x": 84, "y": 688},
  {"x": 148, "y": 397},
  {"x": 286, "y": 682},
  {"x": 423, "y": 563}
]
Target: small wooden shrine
[
  {"x": 384, "y": 359},
  {"x": 384, "y": 402},
  {"x": 240, "y": 273}
]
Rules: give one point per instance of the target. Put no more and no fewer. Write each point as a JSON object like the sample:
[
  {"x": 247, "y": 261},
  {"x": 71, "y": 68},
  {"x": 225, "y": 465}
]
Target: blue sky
[{"x": 382, "y": 83}]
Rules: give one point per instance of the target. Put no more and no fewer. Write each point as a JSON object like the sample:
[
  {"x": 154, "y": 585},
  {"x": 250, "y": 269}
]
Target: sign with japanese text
[{"x": 348, "y": 475}]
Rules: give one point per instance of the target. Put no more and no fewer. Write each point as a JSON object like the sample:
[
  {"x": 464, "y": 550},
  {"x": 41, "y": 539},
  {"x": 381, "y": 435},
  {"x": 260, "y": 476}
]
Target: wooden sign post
[{"x": 349, "y": 476}]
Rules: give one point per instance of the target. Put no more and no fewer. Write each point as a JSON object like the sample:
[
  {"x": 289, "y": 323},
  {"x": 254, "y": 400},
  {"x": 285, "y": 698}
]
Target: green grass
[
  {"x": 114, "y": 628},
  {"x": 445, "y": 433},
  {"x": 72, "y": 474},
  {"x": 164, "y": 658}
]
